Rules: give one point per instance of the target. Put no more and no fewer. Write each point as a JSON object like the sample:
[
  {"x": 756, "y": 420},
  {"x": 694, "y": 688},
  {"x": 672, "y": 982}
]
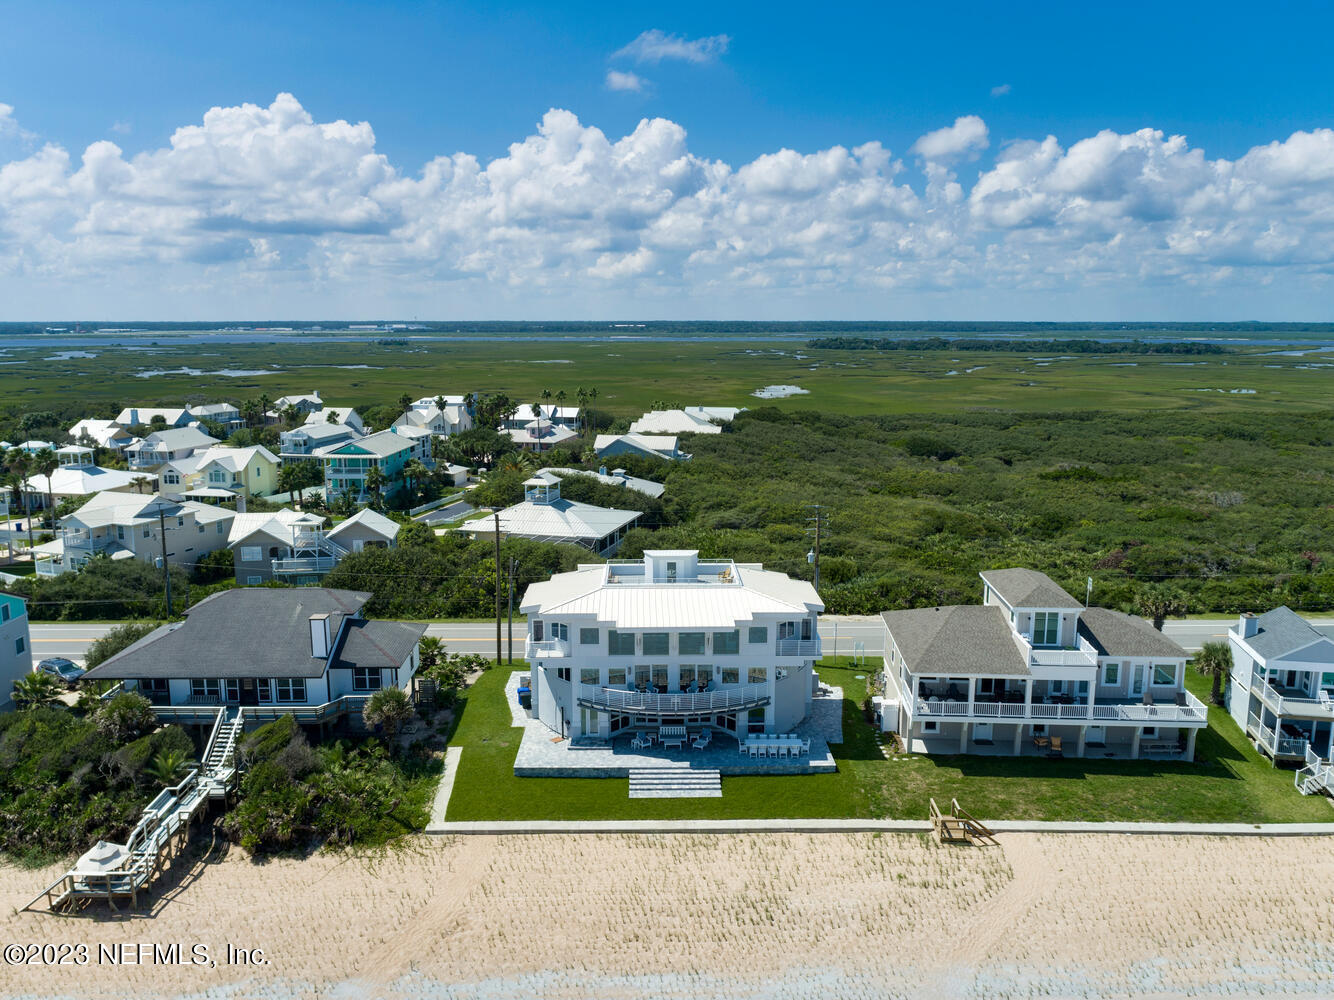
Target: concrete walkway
[
  {"x": 444, "y": 789},
  {"x": 871, "y": 826}
]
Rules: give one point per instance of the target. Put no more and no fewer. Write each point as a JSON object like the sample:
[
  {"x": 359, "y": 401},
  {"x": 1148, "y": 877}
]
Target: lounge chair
[
  {"x": 701, "y": 741},
  {"x": 1041, "y": 741},
  {"x": 1056, "y": 750},
  {"x": 1324, "y": 699}
]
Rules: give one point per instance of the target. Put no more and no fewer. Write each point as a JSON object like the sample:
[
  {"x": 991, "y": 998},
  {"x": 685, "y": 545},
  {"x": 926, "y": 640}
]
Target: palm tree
[
  {"x": 45, "y": 463},
  {"x": 248, "y": 411},
  {"x": 375, "y": 480},
  {"x": 581, "y": 396},
  {"x": 390, "y": 709},
  {"x": 36, "y": 689},
  {"x": 1160, "y": 604},
  {"x": 1215, "y": 659},
  {"x": 560, "y": 399},
  {"x": 592, "y": 395},
  {"x": 167, "y": 766},
  {"x": 537, "y": 408},
  {"x": 404, "y": 403},
  {"x": 264, "y": 402},
  {"x": 20, "y": 462},
  {"x": 14, "y": 481},
  {"x": 414, "y": 472},
  {"x": 291, "y": 415},
  {"x": 332, "y": 418}
]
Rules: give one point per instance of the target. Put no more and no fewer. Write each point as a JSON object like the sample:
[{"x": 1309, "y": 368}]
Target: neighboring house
[
  {"x": 162, "y": 447},
  {"x": 303, "y": 442},
  {"x": 421, "y": 443},
  {"x": 346, "y": 465},
  {"x": 540, "y": 435},
  {"x": 690, "y": 420},
  {"x": 133, "y": 416},
  {"x": 15, "y": 646},
  {"x": 617, "y": 477},
  {"x": 1029, "y": 666},
  {"x": 128, "y": 526},
  {"x": 366, "y": 529},
  {"x": 545, "y": 517},
  {"x": 34, "y": 446},
  {"x": 306, "y": 404},
  {"x": 284, "y": 545},
  {"x": 341, "y": 415},
  {"x": 453, "y": 419},
  {"x": 103, "y": 433},
  {"x": 79, "y": 477},
  {"x": 307, "y": 651},
  {"x": 650, "y": 631},
  {"x": 251, "y": 471},
  {"x": 456, "y": 475},
  {"x": 219, "y": 413},
  {"x": 1282, "y": 684},
  {"x": 565, "y": 416},
  {"x": 646, "y": 445}
]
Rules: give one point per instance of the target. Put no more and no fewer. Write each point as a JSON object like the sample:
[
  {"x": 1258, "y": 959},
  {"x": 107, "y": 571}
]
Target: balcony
[
  {"x": 1191, "y": 712},
  {"x": 86, "y": 542},
  {"x": 797, "y": 647},
  {"x": 1290, "y": 702},
  {"x": 546, "y": 648},
  {"x": 608, "y": 699},
  {"x": 312, "y": 564},
  {"x": 1282, "y": 743}
]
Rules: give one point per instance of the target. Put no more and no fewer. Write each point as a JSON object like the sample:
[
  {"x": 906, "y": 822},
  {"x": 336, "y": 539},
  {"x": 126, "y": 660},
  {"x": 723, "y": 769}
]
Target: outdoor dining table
[{"x": 792, "y": 743}]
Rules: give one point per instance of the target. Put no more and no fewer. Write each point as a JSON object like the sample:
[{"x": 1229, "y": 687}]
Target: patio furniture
[
  {"x": 1041, "y": 741},
  {"x": 673, "y": 737},
  {"x": 640, "y": 742},
  {"x": 1323, "y": 697},
  {"x": 805, "y": 748},
  {"x": 1056, "y": 750},
  {"x": 702, "y": 740}
]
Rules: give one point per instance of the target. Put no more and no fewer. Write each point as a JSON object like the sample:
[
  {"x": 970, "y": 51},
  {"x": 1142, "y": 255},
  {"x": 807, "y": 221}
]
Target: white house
[
  {"x": 305, "y": 403},
  {"x": 345, "y": 415},
  {"x": 102, "y": 433},
  {"x": 565, "y": 416},
  {"x": 129, "y": 526},
  {"x": 545, "y": 517},
  {"x": 1031, "y": 670},
  {"x": 671, "y": 639},
  {"x": 307, "y": 651},
  {"x": 617, "y": 477},
  {"x": 77, "y": 476},
  {"x": 303, "y": 442},
  {"x": 162, "y": 447},
  {"x": 174, "y": 416},
  {"x": 452, "y": 419},
  {"x": 645, "y": 445},
  {"x": 15, "y": 646},
  {"x": 690, "y": 420},
  {"x": 1282, "y": 684},
  {"x": 219, "y": 413},
  {"x": 540, "y": 435}
]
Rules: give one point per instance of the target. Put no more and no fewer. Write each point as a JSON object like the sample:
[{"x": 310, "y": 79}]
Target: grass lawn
[{"x": 1232, "y": 783}]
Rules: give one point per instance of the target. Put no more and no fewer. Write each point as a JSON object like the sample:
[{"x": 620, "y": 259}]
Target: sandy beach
[{"x": 786, "y": 917}]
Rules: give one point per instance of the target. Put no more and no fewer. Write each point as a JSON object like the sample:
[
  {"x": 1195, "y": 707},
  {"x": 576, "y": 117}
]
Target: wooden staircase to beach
[{"x": 958, "y": 827}]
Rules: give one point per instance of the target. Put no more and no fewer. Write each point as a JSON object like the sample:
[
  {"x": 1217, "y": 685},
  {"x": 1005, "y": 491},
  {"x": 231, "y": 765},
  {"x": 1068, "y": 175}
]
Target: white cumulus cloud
[
  {"x": 967, "y": 135},
  {"x": 654, "y": 46},
  {"x": 616, "y": 80}
]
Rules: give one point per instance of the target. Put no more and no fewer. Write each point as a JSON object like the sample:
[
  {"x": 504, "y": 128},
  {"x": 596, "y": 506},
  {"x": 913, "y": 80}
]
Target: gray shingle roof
[
  {"x": 250, "y": 632},
  {"x": 378, "y": 644},
  {"x": 1027, "y": 588},
  {"x": 1115, "y": 634},
  {"x": 958, "y": 640},
  {"x": 1281, "y": 631}
]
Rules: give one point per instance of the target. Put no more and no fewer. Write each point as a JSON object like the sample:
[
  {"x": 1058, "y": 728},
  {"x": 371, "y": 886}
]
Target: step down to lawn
[{"x": 675, "y": 783}]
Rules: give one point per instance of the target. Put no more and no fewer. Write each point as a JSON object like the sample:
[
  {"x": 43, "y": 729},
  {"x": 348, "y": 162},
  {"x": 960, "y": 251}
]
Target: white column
[
  {"x": 963, "y": 736},
  {"x": 1083, "y": 734},
  {"x": 1018, "y": 738},
  {"x": 972, "y": 691},
  {"x": 1190, "y": 744},
  {"x": 1134, "y": 742}
]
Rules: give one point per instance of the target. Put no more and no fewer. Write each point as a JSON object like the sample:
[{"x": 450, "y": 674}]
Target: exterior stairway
[
  {"x": 675, "y": 783},
  {"x": 1316, "y": 775},
  {"x": 219, "y": 763}
]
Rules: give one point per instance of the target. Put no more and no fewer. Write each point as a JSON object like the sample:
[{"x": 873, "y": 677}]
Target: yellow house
[{"x": 251, "y": 470}]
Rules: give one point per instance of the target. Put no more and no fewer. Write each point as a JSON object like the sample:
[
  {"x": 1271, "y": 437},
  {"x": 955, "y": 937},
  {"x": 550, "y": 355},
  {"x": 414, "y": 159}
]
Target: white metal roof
[
  {"x": 370, "y": 519},
  {"x": 559, "y": 520},
  {"x": 690, "y": 420},
  {"x": 81, "y": 480}
]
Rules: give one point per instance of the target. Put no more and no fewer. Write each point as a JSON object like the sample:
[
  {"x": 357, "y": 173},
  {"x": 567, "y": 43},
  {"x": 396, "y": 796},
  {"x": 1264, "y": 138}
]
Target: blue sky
[{"x": 436, "y": 79}]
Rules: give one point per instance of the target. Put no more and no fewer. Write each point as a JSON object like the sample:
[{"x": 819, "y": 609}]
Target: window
[
  {"x": 264, "y": 689},
  {"x": 730, "y": 675},
  {"x": 656, "y": 643},
  {"x": 20, "y": 645},
  {"x": 690, "y": 643},
  {"x": 930, "y": 727},
  {"x": 4, "y": 612},
  {"x": 660, "y": 676},
  {"x": 758, "y": 634},
  {"x": 204, "y": 687},
  {"x": 254, "y": 581},
  {"x": 757, "y": 675},
  {"x": 616, "y": 677},
  {"x": 120, "y": 532},
  {"x": 291, "y": 688},
  {"x": 222, "y": 528},
  {"x": 1046, "y": 628},
  {"x": 147, "y": 531},
  {"x": 180, "y": 522},
  {"x": 1111, "y": 674},
  {"x": 539, "y": 630},
  {"x": 589, "y": 636},
  {"x": 590, "y": 675},
  {"x": 366, "y": 679},
  {"x": 563, "y": 673},
  {"x": 1150, "y": 731},
  {"x": 787, "y": 630},
  {"x": 620, "y": 643},
  {"x": 726, "y": 642},
  {"x": 755, "y": 720},
  {"x": 233, "y": 691},
  {"x": 1327, "y": 681},
  {"x": 201, "y": 529},
  {"x": 1164, "y": 674},
  {"x": 251, "y": 553}
]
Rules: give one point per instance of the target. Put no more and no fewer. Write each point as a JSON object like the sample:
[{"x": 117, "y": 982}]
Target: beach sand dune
[{"x": 780, "y": 917}]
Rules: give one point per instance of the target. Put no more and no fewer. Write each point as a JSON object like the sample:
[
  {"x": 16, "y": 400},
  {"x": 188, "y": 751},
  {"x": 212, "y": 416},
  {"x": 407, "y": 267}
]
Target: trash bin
[{"x": 525, "y": 697}]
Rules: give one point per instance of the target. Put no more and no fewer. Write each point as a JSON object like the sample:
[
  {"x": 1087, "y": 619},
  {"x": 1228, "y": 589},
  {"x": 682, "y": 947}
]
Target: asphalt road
[{"x": 841, "y": 635}]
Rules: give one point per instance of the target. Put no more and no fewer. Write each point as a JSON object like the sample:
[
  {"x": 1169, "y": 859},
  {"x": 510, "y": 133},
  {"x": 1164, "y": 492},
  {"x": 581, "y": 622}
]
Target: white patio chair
[{"x": 805, "y": 748}]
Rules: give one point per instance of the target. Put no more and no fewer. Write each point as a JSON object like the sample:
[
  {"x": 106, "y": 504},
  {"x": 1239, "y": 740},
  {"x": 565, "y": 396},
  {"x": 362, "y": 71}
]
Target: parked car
[{"x": 66, "y": 671}]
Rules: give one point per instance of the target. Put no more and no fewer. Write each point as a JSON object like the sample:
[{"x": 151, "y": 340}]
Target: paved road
[
  {"x": 446, "y": 514},
  {"x": 841, "y": 635}
]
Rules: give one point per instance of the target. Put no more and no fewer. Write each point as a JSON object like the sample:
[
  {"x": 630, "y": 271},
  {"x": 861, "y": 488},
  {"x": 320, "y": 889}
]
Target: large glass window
[
  {"x": 1111, "y": 674},
  {"x": 725, "y": 643},
  {"x": 641, "y": 677},
  {"x": 758, "y": 635},
  {"x": 366, "y": 678},
  {"x": 620, "y": 643},
  {"x": 291, "y": 689},
  {"x": 590, "y": 675},
  {"x": 1164, "y": 674},
  {"x": 757, "y": 675},
  {"x": 660, "y": 676},
  {"x": 1046, "y": 628},
  {"x": 616, "y": 676},
  {"x": 561, "y": 631},
  {"x": 656, "y": 644},
  {"x": 686, "y": 674},
  {"x": 205, "y": 687},
  {"x": 755, "y": 720},
  {"x": 589, "y": 636},
  {"x": 731, "y": 675},
  {"x": 690, "y": 643}
]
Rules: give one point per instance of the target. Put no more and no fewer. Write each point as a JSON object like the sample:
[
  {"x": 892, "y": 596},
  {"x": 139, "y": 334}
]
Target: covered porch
[{"x": 1063, "y": 740}]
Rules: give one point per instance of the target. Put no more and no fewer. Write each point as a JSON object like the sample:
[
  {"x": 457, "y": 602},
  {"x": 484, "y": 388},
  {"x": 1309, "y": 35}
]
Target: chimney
[
  {"x": 1248, "y": 625},
  {"x": 319, "y": 636}
]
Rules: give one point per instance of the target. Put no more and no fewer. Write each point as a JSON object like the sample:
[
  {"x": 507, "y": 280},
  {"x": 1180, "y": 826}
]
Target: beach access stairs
[
  {"x": 1316, "y": 775},
  {"x": 958, "y": 827},
  {"x": 119, "y": 871}
]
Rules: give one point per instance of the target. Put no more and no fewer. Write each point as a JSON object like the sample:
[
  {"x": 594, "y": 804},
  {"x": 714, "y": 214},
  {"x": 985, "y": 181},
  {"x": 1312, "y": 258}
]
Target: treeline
[{"x": 1017, "y": 346}]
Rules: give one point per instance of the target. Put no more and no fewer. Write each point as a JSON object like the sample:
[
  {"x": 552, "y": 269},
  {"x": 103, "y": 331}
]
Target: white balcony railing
[
  {"x": 650, "y": 703},
  {"x": 546, "y": 647},
  {"x": 1193, "y": 711},
  {"x": 313, "y": 564},
  {"x": 1282, "y": 704},
  {"x": 797, "y": 647}
]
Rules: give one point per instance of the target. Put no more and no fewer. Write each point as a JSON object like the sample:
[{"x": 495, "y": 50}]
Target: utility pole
[
  {"x": 166, "y": 568},
  {"x": 514, "y": 564},
  {"x": 819, "y": 522},
  {"x": 496, "y": 514}
]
